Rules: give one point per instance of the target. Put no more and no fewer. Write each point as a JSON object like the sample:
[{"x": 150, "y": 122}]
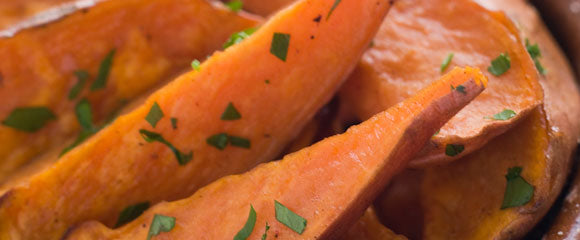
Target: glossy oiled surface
[
  {"x": 39, "y": 62},
  {"x": 339, "y": 176},
  {"x": 117, "y": 168},
  {"x": 407, "y": 54}
]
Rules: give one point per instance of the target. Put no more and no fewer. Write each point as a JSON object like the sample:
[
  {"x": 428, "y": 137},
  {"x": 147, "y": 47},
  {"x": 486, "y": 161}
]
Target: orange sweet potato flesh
[
  {"x": 39, "y": 62},
  {"x": 408, "y": 51},
  {"x": 264, "y": 8},
  {"x": 117, "y": 168},
  {"x": 356, "y": 165},
  {"x": 368, "y": 227}
]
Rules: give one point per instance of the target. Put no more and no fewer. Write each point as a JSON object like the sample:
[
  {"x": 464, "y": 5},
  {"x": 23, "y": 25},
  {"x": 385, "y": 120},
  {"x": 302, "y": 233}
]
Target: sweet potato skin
[
  {"x": 357, "y": 164},
  {"x": 79, "y": 186},
  {"x": 408, "y": 52},
  {"x": 41, "y": 61}
]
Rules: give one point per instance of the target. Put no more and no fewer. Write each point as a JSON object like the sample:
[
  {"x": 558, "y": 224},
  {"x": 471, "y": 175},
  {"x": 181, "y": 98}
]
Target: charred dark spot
[
  {"x": 267, "y": 135},
  {"x": 311, "y": 36},
  {"x": 85, "y": 10},
  {"x": 144, "y": 225},
  {"x": 317, "y": 19}
]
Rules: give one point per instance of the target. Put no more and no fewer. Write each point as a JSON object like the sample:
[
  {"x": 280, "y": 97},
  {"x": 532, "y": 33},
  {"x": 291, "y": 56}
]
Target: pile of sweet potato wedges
[{"x": 400, "y": 119}]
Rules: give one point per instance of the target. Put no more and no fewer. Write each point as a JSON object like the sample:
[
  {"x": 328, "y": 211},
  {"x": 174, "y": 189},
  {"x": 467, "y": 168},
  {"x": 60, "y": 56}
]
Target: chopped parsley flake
[
  {"x": 279, "y": 47},
  {"x": 518, "y": 191},
  {"x": 104, "y": 70},
  {"x": 174, "y": 123},
  {"x": 265, "y": 235},
  {"x": 453, "y": 149},
  {"x": 267, "y": 81},
  {"x": 130, "y": 213},
  {"x": 155, "y": 115},
  {"x": 231, "y": 113},
  {"x": 239, "y": 142},
  {"x": 29, "y": 119},
  {"x": 238, "y": 37},
  {"x": 459, "y": 88},
  {"x": 150, "y": 137},
  {"x": 195, "y": 64},
  {"x": 246, "y": 231},
  {"x": 500, "y": 65},
  {"x": 85, "y": 115},
  {"x": 289, "y": 218},
  {"x": 235, "y": 5},
  {"x": 336, "y": 2},
  {"x": 220, "y": 141},
  {"x": 446, "y": 62},
  {"x": 85, "y": 118},
  {"x": 535, "y": 53},
  {"x": 160, "y": 224},
  {"x": 506, "y": 114},
  {"x": 82, "y": 77}
]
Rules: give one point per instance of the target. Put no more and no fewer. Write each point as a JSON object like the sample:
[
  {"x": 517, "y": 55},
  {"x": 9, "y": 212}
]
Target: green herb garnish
[
  {"x": 231, "y": 113},
  {"x": 182, "y": 158},
  {"x": 239, "y": 142},
  {"x": 82, "y": 77},
  {"x": 279, "y": 47},
  {"x": 29, "y": 119},
  {"x": 535, "y": 53},
  {"x": 336, "y": 2},
  {"x": 265, "y": 235},
  {"x": 453, "y": 149},
  {"x": 446, "y": 62},
  {"x": 195, "y": 64},
  {"x": 130, "y": 213},
  {"x": 289, "y": 218},
  {"x": 238, "y": 37},
  {"x": 220, "y": 141},
  {"x": 267, "y": 81},
  {"x": 160, "y": 224},
  {"x": 104, "y": 70},
  {"x": 85, "y": 115},
  {"x": 235, "y": 5},
  {"x": 155, "y": 115},
  {"x": 459, "y": 88},
  {"x": 245, "y": 232},
  {"x": 174, "y": 123},
  {"x": 518, "y": 191},
  {"x": 506, "y": 114},
  {"x": 500, "y": 65}
]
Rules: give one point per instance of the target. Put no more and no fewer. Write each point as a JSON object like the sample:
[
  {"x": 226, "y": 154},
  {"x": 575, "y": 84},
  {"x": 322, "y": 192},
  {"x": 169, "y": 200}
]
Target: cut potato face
[
  {"x": 264, "y": 8},
  {"x": 409, "y": 51},
  {"x": 276, "y": 81},
  {"x": 339, "y": 176},
  {"x": 44, "y": 65}
]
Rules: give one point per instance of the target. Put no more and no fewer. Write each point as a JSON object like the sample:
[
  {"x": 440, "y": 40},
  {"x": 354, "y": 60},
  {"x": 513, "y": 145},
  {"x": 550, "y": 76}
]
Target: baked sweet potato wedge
[
  {"x": 409, "y": 51},
  {"x": 464, "y": 199},
  {"x": 138, "y": 36},
  {"x": 327, "y": 186},
  {"x": 265, "y": 88},
  {"x": 562, "y": 105}
]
